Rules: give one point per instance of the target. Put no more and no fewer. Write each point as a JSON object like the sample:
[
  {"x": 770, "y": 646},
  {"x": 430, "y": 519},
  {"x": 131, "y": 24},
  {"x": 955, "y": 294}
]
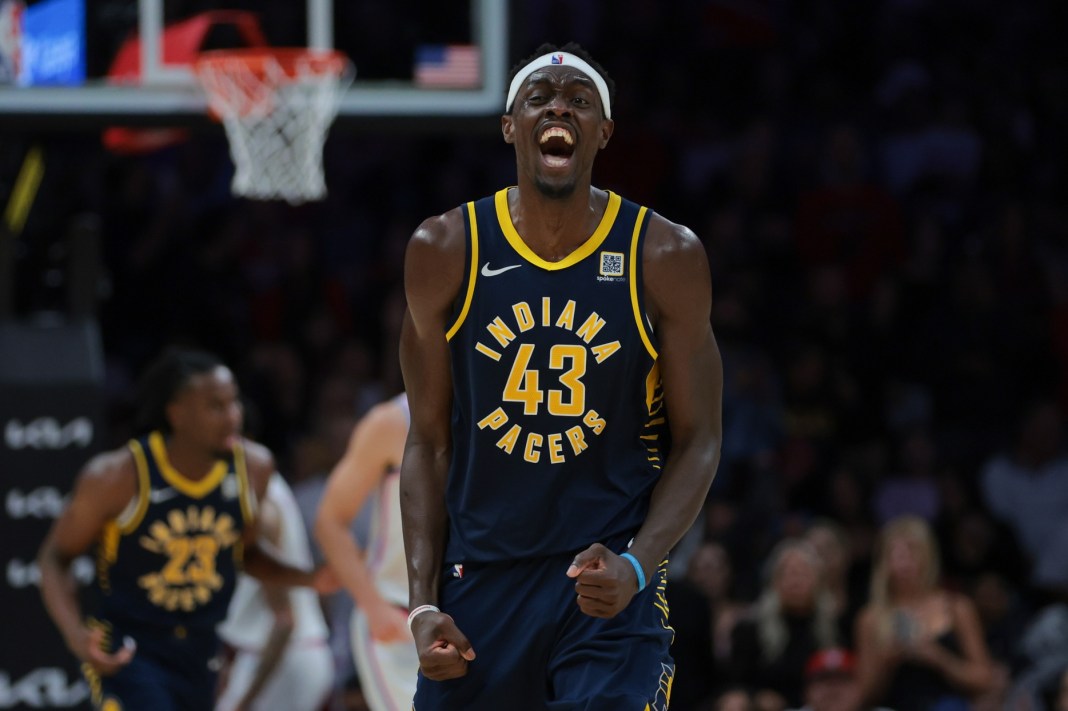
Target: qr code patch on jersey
[{"x": 611, "y": 264}]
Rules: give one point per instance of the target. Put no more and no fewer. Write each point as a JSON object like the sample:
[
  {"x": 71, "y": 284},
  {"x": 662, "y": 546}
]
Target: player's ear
[
  {"x": 608, "y": 127},
  {"x": 173, "y": 413},
  {"x": 508, "y": 128}
]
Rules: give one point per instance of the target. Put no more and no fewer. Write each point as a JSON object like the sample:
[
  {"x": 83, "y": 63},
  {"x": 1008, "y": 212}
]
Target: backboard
[{"x": 367, "y": 30}]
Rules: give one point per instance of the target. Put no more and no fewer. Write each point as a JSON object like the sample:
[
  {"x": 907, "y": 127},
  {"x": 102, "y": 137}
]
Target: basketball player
[
  {"x": 382, "y": 646},
  {"x": 278, "y": 637},
  {"x": 558, "y": 340},
  {"x": 172, "y": 519}
]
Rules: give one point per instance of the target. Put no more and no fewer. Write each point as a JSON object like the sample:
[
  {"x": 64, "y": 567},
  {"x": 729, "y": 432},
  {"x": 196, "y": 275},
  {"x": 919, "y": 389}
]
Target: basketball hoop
[{"x": 277, "y": 106}]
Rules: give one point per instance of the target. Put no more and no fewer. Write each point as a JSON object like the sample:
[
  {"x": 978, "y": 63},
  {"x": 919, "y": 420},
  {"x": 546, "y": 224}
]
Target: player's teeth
[{"x": 553, "y": 132}]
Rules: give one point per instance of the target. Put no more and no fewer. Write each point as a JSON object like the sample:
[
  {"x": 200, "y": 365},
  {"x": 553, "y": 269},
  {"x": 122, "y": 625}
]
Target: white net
[{"x": 277, "y": 109}]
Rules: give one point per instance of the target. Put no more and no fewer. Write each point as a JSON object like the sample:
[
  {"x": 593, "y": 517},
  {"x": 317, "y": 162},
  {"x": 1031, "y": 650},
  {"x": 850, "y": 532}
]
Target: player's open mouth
[{"x": 557, "y": 144}]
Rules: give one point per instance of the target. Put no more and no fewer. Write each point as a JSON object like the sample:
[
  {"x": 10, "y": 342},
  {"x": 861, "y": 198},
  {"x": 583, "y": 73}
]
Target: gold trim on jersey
[
  {"x": 196, "y": 489},
  {"x": 245, "y": 493},
  {"x": 504, "y": 217},
  {"x": 107, "y": 552},
  {"x": 92, "y": 676},
  {"x": 109, "y": 542},
  {"x": 667, "y": 673},
  {"x": 128, "y": 520},
  {"x": 472, "y": 274},
  {"x": 639, "y": 317}
]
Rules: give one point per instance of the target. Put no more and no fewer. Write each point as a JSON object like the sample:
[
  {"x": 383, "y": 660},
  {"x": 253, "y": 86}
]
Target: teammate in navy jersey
[
  {"x": 565, "y": 390},
  {"x": 171, "y": 520}
]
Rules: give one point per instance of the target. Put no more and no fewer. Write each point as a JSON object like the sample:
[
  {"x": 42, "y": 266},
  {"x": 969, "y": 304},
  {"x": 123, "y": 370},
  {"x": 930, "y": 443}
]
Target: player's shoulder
[
  {"x": 383, "y": 426},
  {"x": 109, "y": 476},
  {"x": 442, "y": 232},
  {"x": 258, "y": 457},
  {"x": 435, "y": 262},
  {"x": 260, "y": 465},
  {"x": 675, "y": 264},
  {"x": 388, "y": 413},
  {"x": 114, "y": 464},
  {"x": 667, "y": 240}
]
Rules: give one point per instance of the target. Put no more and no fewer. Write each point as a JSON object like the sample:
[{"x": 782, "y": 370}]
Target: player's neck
[
  {"x": 554, "y": 227},
  {"x": 191, "y": 462}
]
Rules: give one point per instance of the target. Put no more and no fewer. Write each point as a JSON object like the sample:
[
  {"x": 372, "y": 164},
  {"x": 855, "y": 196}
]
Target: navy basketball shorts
[
  {"x": 536, "y": 650},
  {"x": 173, "y": 669}
]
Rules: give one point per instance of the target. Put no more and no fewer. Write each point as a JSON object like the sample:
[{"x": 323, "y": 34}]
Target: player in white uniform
[
  {"x": 377, "y": 579},
  {"x": 281, "y": 655}
]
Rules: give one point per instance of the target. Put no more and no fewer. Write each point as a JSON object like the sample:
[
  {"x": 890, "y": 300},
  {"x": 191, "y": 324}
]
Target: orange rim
[{"x": 255, "y": 60}]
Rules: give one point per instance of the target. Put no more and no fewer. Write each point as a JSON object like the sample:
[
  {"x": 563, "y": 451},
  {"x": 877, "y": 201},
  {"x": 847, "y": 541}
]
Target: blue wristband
[{"x": 637, "y": 570}]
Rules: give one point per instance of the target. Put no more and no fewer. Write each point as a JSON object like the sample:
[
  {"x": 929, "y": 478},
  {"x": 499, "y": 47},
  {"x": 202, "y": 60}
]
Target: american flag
[{"x": 453, "y": 66}]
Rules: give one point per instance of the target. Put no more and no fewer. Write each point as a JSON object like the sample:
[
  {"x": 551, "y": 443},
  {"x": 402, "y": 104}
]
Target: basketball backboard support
[{"x": 168, "y": 92}]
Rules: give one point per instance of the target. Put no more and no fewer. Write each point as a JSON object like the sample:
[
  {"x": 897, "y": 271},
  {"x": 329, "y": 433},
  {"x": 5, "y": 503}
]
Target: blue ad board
[{"x": 53, "y": 43}]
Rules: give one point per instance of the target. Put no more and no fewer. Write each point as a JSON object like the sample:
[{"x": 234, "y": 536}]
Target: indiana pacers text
[{"x": 562, "y": 392}]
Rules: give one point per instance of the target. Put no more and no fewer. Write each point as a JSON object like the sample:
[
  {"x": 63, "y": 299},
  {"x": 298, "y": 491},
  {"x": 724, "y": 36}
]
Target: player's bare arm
[
  {"x": 259, "y": 560},
  {"x": 679, "y": 300},
  {"x": 104, "y": 488},
  {"x": 374, "y": 448},
  {"x": 277, "y": 598},
  {"x": 433, "y": 275}
]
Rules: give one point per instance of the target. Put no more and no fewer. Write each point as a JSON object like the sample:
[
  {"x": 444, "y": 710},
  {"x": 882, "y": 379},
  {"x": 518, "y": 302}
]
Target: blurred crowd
[{"x": 882, "y": 193}]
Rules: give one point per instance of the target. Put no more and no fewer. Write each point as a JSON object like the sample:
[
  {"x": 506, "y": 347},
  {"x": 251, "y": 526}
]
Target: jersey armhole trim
[
  {"x": 472, "y": 274},
  {"x": 635, "y": 300},
  {"x": 245, "y": 493},
  {"x": 131, "y": 516}
]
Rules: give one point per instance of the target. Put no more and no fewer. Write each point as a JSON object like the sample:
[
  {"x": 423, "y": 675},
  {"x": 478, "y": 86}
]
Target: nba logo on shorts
[{"x": 458, "y": 570}]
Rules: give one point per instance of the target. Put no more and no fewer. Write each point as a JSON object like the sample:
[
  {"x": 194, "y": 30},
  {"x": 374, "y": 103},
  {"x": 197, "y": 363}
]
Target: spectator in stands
[
  {"x": 831, "y": 682},
  {"x": 1027, "y": 487},
  {"x": 703, "y": 613},
  {"x": 919, "y": 646},
  {"x": 832, "y": 545},
  {"x": 792, "y": 619}
]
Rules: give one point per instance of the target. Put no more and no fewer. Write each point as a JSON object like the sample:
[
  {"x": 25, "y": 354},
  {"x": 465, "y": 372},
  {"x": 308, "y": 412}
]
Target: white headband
[{"x": 557, "y": 59}]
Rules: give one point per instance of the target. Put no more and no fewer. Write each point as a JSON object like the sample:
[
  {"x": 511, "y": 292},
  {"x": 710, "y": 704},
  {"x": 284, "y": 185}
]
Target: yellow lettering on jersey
[
  {"x": 601, "y": 352},
  {"x": 494, "y": 420},
  {"x": 487, "y": 351},
  {"x": 546, "y": 311},
  {"x": 502, "y": 333},
  {"x": 590, "y": 327},
  {"x": 192, "y": 542},
  {"x": 567, "y": 316},
  {"x": 507, "y": 442},
  {"x": 577, "y": 437},
  {"x": 522, "y": 385},
  {"x": 523, "y": 317},
  {"x": 594, "y": 421},
  {"x": 556, "y": 448},
  {"x": 530, "y": 452}
]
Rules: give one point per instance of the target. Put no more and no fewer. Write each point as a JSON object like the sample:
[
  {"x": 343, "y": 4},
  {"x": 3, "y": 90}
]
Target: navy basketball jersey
[
  {"x": 172, "y": 557},
  {"x": 558, "y": 426}
]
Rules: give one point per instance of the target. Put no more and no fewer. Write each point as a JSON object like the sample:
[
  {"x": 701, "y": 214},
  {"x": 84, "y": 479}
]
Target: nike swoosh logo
[
  {"x": 486, "y": 271},
  {"x": 158, "y": 496}
]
